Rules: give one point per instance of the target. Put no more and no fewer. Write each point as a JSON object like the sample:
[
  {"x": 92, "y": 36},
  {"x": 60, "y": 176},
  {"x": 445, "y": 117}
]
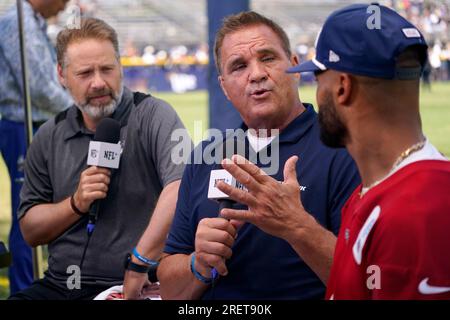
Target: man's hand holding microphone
[
  {"x": 215, "y": 237},
  {"x": 93, "y": 185}
]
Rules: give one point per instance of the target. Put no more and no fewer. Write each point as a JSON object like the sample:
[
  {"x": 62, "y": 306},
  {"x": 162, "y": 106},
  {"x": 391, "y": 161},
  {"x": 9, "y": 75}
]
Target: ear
[
  {"x": 344, "y": 89},
  {"x": 295, "y": 61},
  {"x": 61, "y": 78},
  {"x": 221, "y": 82}
]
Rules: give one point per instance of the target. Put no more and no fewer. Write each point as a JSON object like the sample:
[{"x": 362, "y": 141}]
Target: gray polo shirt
[{"x": 53, "y": 166}]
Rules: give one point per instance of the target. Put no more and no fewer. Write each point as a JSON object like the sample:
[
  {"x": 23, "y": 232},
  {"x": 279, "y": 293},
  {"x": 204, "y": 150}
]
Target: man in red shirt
[
  {"x": 393, "y": 242},
  {"x": 394, "y": 238}
]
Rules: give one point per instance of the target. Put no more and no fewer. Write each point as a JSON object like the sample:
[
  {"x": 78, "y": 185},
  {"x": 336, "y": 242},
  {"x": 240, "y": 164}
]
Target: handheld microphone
[
  {"x": 104, "y": 151},
  {"x": 215, "y": 194},
  {"x": 225, "y": 202}
]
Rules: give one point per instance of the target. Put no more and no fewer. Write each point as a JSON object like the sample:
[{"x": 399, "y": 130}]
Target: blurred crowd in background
[{"x": 432, "y": 18}]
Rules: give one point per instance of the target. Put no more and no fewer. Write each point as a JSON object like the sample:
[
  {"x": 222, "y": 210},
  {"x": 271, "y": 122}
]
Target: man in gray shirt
[{"x": 60, "y": 188}]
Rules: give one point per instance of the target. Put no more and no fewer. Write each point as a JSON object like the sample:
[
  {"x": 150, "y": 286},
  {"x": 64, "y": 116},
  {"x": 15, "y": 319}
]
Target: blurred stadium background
[{"x": 164, "y": 51}]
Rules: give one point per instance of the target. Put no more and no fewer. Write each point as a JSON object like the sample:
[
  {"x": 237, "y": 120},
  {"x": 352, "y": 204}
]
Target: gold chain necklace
[{"x": 405, "y": 154}]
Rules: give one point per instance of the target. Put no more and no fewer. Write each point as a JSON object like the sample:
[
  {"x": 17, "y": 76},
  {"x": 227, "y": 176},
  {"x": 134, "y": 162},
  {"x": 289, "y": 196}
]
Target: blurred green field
[{"x": 192, "y": 107}]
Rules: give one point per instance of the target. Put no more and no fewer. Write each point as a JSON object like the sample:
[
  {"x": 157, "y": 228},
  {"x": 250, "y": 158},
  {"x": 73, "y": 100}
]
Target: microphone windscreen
[{"x": 108, "y": 130}]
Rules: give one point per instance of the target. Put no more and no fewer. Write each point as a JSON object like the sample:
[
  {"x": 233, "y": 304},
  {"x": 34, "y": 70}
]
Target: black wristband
[
  {"x": 130, "y": 265},
  {"x": 75, "y": 209}
]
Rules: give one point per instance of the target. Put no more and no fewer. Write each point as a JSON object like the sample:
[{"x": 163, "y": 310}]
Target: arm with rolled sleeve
[{"x": 41, "y": 221}]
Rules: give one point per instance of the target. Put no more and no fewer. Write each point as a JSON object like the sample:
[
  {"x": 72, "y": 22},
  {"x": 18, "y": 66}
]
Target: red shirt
[{"x": 394, "y": 242}]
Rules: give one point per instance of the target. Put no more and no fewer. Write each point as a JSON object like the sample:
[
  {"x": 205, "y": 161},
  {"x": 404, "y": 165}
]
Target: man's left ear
[{"x": 295, "y": 61}]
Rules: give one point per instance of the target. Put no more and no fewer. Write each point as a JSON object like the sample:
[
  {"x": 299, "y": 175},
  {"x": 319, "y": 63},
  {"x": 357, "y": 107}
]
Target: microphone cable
[{"x": 83, "y": 255}]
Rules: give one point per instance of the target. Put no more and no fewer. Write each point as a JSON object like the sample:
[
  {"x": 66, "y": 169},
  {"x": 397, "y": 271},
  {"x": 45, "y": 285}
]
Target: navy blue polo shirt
[{"x": 263, "y": 266}]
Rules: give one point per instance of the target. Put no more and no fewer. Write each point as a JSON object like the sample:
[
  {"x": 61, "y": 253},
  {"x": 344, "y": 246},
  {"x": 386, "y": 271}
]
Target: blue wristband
[
  {"x": 197, "y": 274},
  {"x": 149, "y": 262}
]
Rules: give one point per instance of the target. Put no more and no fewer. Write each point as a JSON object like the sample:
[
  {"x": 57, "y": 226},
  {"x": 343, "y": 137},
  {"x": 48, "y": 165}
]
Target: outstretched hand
[{"x": 274, "y": 207}]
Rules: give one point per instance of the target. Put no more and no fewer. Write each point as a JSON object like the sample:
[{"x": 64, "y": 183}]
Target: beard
[
  {"x": 333, "y": 132},
  {"x": 98, "y": 112}
]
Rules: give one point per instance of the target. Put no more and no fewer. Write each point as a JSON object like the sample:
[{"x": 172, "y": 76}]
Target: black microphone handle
[
  {"x": 94, "y": 208},
  {"x": 93, "y": 211},
  {"x": 225, "y": 204}
]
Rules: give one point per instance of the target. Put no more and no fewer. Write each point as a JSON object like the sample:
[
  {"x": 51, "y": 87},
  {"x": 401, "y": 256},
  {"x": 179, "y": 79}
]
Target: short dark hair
[{"x": 244, "y": 19}]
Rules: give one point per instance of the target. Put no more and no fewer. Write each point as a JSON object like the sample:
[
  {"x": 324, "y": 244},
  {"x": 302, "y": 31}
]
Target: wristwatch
[{"x": 150, "y": 270}]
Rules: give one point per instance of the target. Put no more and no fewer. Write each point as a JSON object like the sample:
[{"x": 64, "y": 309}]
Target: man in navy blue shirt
[{"x": 252, "y": 54}]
